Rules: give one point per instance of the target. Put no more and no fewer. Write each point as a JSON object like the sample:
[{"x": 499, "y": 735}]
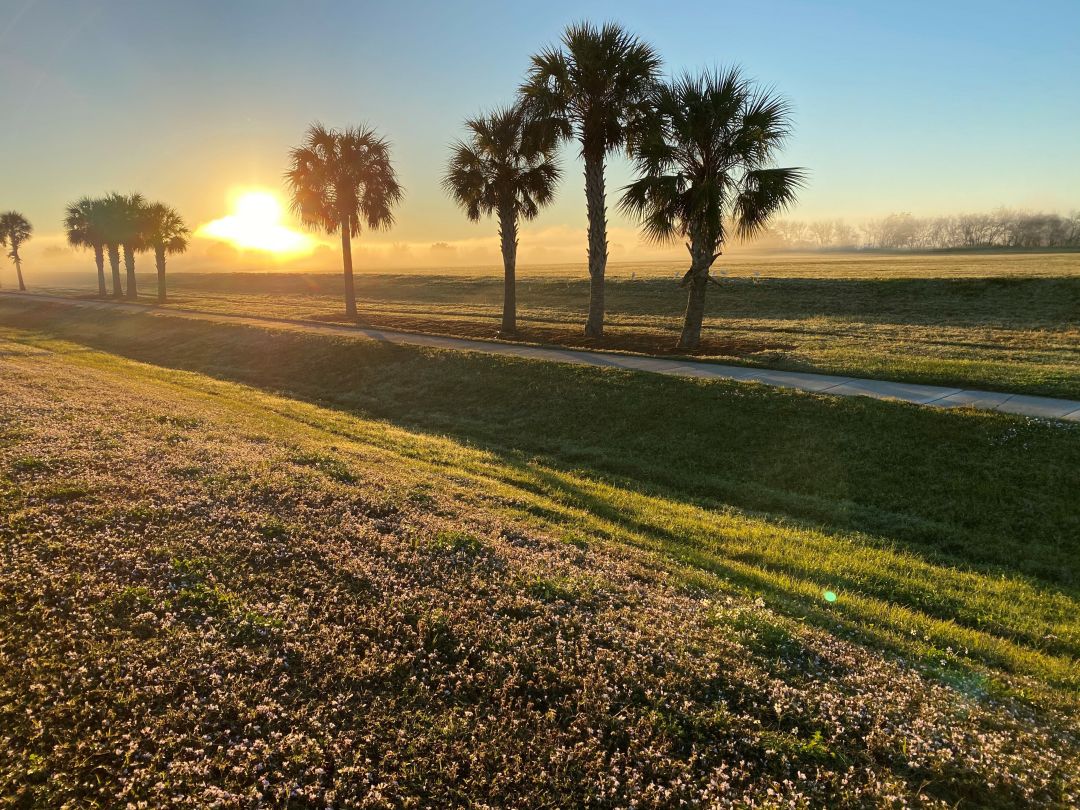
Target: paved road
[{"x": 937, "y": 396}]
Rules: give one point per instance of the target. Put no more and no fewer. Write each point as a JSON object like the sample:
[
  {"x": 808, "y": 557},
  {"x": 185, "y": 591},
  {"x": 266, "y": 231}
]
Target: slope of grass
[{"x": 267, "y": 563}]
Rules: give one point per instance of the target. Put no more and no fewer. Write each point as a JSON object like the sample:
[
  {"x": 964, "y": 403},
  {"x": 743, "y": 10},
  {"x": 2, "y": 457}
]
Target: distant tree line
[{"x": 1003, "y": 228}]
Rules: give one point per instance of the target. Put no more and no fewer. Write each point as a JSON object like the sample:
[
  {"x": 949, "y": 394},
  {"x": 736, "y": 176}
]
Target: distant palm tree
[
  {"x": 86, "y": 224},
  {"x": 594, "y": 88},
  {"x": 14, "y": 230},
  {"x": 123, "y": 214},
  {"x": 507, "y": 168},
  {"x": 339, "y": 179},
  {"x": 164, "y": 232},
  {"x": 706, "y": 160}
]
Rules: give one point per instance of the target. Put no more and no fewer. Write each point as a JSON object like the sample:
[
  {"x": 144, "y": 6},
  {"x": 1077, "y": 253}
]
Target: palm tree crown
[
  {"x": 707, "y": 157},
  {"x": 15, "y": 228},
  {"x": 595, "y": 87},
  {"x": 85, "y": 222},
  {"x": 505, "y": 165},
  {"x": 163, "y": 229},
  {"x": 343, "y": 178},
  {"x": 339, "y": 179},
  {"x": 123, "y": 219}
]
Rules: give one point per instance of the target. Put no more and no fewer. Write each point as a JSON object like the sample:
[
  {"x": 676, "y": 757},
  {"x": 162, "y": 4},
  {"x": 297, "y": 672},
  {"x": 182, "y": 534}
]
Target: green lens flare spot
[{"x": 830, "y": 596}]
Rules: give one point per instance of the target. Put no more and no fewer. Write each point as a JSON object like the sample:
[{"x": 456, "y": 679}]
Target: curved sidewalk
[{"x": 937, "y": 396}]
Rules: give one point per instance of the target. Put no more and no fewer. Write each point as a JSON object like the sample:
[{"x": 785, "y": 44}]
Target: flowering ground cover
[{"x": 244, "y": 567}]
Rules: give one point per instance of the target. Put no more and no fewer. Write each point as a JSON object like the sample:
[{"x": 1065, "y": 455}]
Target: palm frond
[
  {"x": 595, "y": 86},
  {"x": 765, "y": 193},
  {"x": 706, "y": 149},
  {"x": 505, "y": 163},
  {"x": 343, "y": 177}
]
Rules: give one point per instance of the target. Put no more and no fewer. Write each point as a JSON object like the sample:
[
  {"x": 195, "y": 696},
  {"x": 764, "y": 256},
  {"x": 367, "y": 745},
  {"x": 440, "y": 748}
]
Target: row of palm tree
[
  {"x": 14, "y": 230},
  {"x": 127, "y": 223},
  {"x": 703, "y": 146}
]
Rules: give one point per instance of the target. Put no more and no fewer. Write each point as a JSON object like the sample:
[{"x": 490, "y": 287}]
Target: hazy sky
[{"x": 926, "y": 107}]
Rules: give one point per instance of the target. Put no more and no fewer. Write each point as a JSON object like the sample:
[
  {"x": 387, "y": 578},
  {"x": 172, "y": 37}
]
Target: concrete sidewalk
[{"x": 937, "y": 396}]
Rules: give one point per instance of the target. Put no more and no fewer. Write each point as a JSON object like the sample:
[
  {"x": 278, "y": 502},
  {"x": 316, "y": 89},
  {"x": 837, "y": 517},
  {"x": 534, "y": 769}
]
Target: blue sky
[{"x": 928, "y": 107}]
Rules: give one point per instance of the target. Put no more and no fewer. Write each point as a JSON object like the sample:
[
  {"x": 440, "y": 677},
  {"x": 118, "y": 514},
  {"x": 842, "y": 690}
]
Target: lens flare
[
  {"x": 255, "y": 224},
  {"x": 830, "y": 596}
]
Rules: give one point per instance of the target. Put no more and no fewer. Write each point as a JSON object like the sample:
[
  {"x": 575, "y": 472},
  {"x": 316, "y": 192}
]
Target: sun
[{"x": 256, "y": 224}]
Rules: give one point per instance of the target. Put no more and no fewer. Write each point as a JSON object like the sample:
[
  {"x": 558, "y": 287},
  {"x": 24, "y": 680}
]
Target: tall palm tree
[
  {"x": 338, "y": 179},
  {"x": 163, "y": 231},
  {"x": 85, "y": 221},
  {"x": 593, "y": 88},
  {"x": 14, "y": 230},
  {"x": 507, "y": 168},
  {"x": 706, "y": 160},
  {"x": 123, "y": 220}
]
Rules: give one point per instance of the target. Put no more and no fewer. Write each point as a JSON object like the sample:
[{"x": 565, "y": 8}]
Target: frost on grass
[{"x": 198, "y": 609}]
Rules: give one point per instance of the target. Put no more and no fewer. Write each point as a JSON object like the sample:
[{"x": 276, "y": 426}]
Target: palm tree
[
  {"x": 123, "y": 218},
  {"x": 338, "y": 179},
  {"x": 86, "y": 224},
  {"x": 594, "y": 88},
  {"x": 14, "y": 230},
  {"x": 706, "y": 160},
  {"x": 163, "y": 231},
  {"x": 507, "y": 168}
]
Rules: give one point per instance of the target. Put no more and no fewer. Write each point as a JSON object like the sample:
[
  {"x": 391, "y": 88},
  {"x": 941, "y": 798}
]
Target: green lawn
[
  {"x": 598, "y": 571},
  {"x": 988, "y": 321}
]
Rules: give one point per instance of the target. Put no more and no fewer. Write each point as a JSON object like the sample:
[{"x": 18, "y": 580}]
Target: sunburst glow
[{"x": 255, "y": 224}]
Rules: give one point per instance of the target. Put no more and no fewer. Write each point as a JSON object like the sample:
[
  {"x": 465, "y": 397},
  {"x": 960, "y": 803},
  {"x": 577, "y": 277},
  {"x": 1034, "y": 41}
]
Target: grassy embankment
[
  {"x": 991, "y": 321},
  {"x": 331, "y": 563}
]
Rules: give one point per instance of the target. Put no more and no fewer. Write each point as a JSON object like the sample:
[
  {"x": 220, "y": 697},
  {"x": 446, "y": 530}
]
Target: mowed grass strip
[{"x": 212, "y": 593}]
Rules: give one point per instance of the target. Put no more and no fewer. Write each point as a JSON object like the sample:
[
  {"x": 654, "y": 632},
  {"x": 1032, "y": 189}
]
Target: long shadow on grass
[
  {"x": 986, "y": 492},
  {"x": 961, "y": 302},
  {"x": 983, "y": 490}
]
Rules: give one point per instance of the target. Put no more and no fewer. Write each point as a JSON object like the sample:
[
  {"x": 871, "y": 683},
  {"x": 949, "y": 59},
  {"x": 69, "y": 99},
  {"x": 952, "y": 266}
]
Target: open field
[
  {"x": 989, "y": 321},
  {"x": 243, "y": 562}
]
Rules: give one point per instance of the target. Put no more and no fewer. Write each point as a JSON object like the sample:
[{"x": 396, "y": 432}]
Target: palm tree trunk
[
  {"x": 18, "y": 266},
  {"x": 597, "y": 211},
  {"x": 99, "y": 260},
  {"x": 508, "y": 235},
  {"x": 129, "y": 266},
  {"x": 114, "y": 263},
  {"x": 701, "y": 261},
  {"x": 346, "y": 258},
  {"x": 159, "y": 260}
]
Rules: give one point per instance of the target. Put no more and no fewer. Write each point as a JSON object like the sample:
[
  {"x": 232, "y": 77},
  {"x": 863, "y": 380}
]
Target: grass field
[
  {"x": 987, "y": 321},
  {"x": 243, "y": 563}
]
